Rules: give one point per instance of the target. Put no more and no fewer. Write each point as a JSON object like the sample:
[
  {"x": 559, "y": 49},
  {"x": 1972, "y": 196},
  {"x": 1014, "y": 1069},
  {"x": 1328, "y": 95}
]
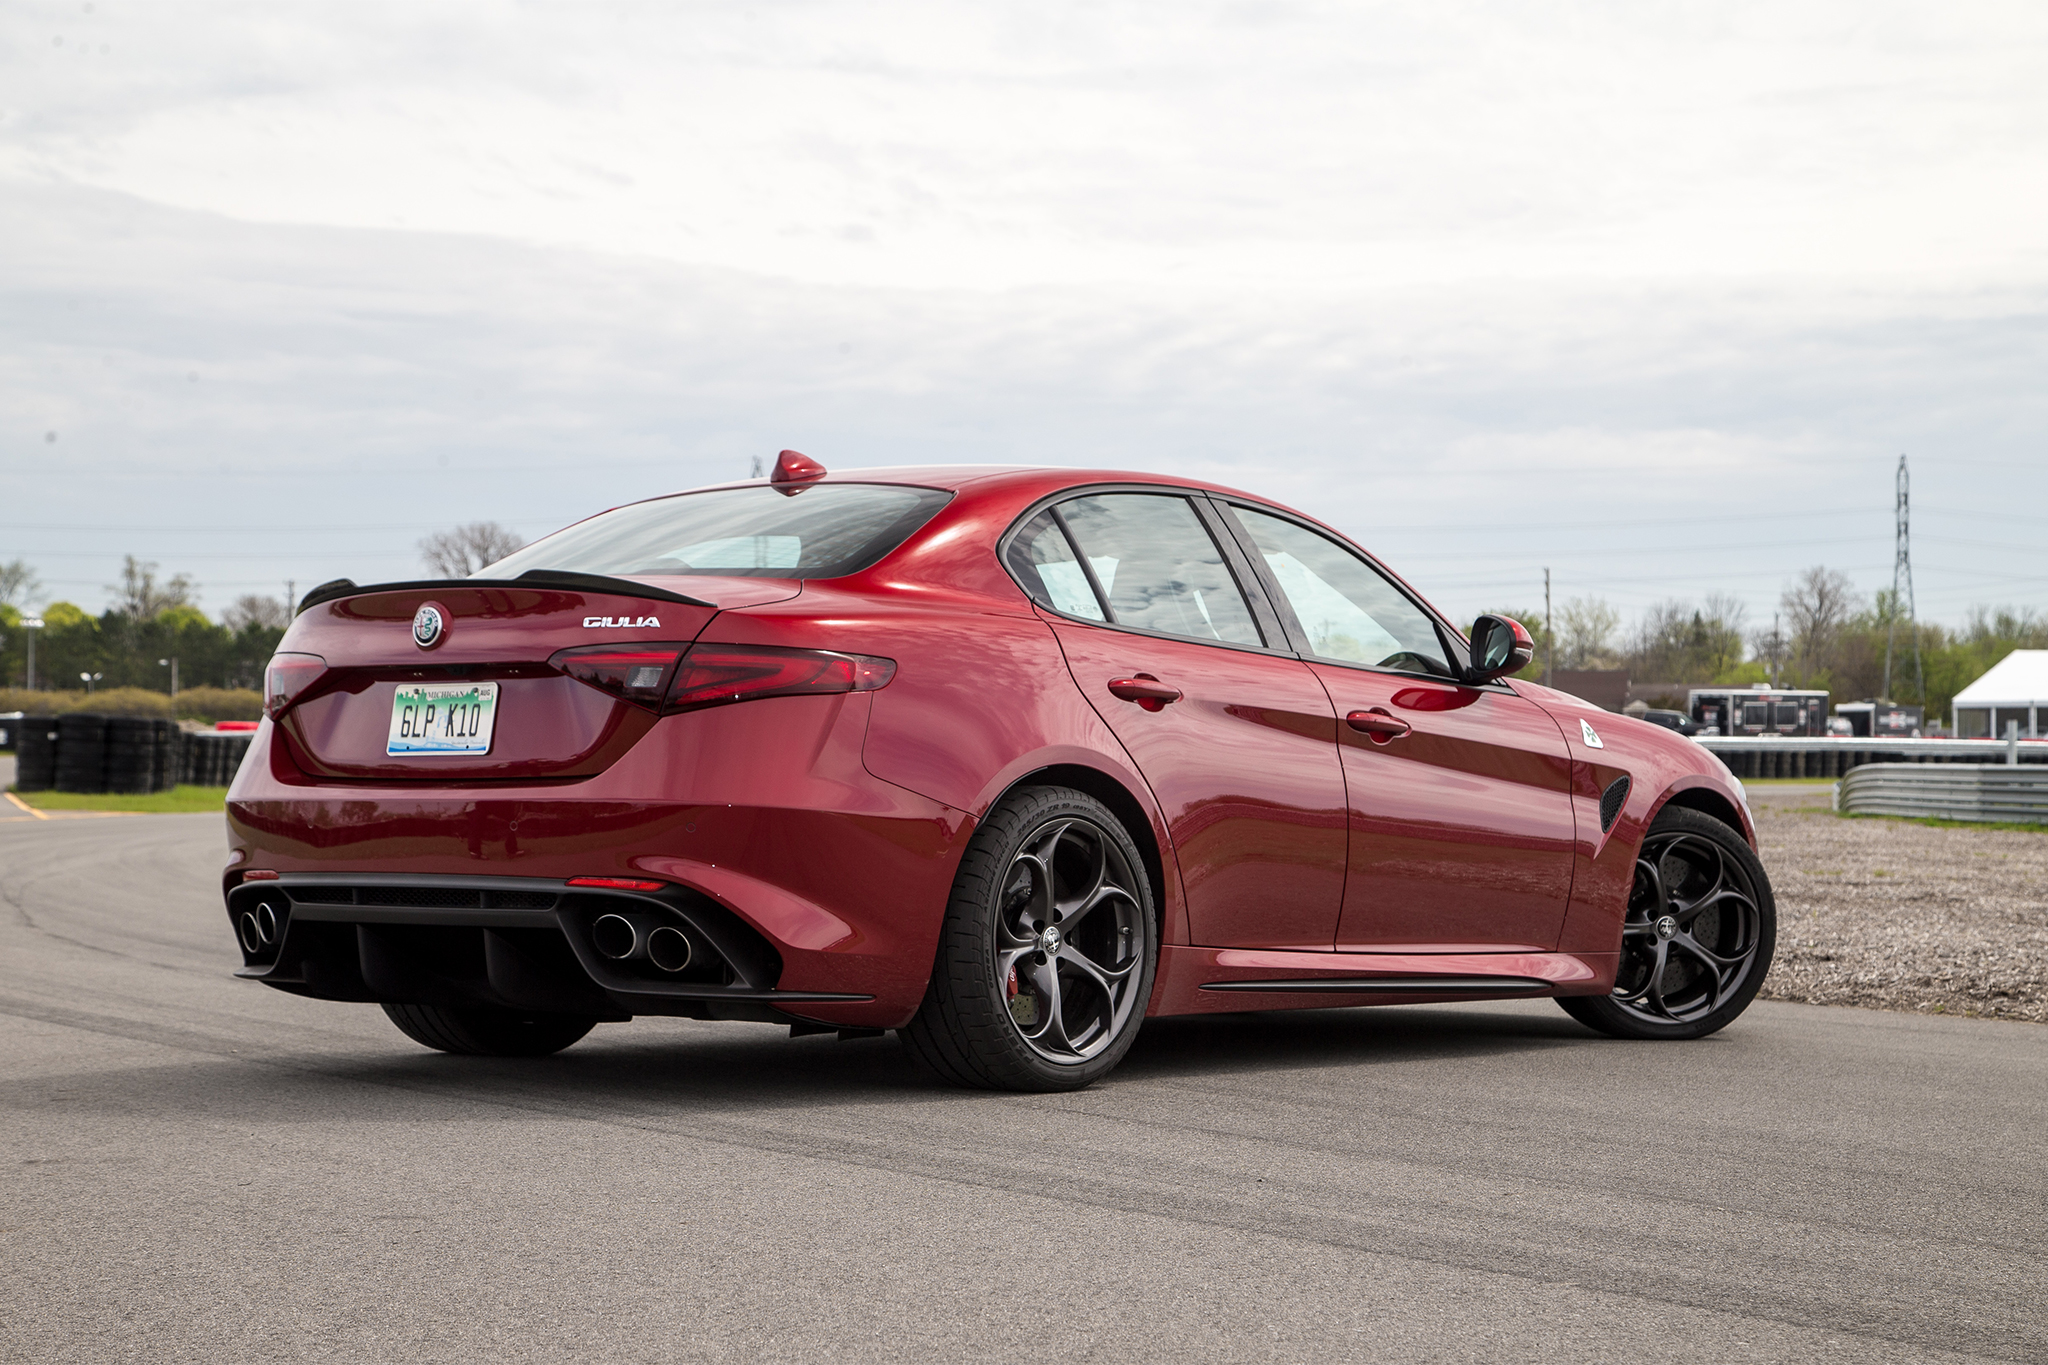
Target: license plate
[{"x": 442, "y": 718}]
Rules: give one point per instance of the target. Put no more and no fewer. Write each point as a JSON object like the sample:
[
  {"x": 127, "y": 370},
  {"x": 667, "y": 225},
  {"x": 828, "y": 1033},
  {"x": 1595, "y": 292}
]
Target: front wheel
[
  {"x": 484, "y": 1032},
  {"x": 1698, "y": 937},
  {"x": 1046, "y": 958}
]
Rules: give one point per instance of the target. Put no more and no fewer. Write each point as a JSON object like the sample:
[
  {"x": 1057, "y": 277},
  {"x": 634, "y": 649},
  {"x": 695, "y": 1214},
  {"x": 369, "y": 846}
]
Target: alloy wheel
[
  {"x": 1069, "y": 941},
  {"x": 1689, "y": 943}
]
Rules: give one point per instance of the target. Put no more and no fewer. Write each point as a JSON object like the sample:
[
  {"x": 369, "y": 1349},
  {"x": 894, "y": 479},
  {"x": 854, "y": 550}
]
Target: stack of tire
[
  {"x": 123, "y": 754},
  {"x": 216, "y": 756},
  {"x": 35, "y": 761},
  {"x": 81, "y": 753},
  {"x": 131, "y": 755},
  {"x": 170, "y": 755}
]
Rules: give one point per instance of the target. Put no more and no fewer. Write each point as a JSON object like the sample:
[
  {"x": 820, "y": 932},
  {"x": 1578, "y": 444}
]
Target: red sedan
[{"x": 1005, "y": 759}]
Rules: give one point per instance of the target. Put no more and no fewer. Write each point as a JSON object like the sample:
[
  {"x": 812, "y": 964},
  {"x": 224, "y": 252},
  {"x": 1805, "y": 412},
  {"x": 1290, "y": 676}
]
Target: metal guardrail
[
  {"x": 1947, "y": 792},
  {"x": 1771, "y": 756}
]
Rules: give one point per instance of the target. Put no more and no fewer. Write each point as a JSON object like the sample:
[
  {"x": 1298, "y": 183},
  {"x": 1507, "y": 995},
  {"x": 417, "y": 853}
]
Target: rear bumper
[
  {"x": 521, "y": 943},
  {"x": 761, "y": 812}
]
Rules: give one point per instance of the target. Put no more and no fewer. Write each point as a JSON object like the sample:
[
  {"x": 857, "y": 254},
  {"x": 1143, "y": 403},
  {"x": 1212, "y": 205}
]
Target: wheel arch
[{"x": 1708, "y": 801}]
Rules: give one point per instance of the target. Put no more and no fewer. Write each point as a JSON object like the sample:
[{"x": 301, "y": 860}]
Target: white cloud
[{"x": 1468, "y": 280}]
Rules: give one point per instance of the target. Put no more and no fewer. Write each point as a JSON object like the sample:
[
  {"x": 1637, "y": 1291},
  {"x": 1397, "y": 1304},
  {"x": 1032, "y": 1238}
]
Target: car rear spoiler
[{"x": 532, "y": 578}]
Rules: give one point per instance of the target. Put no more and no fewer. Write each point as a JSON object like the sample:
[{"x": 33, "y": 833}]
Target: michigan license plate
[{"x": 442, "y": 718}]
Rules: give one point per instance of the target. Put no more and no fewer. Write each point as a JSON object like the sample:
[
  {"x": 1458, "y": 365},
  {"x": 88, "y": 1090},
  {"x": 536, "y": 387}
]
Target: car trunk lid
[{"x": 546, "y": 725}]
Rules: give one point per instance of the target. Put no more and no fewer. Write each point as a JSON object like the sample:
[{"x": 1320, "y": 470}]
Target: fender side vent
[{"x": 1611, "y": 802}]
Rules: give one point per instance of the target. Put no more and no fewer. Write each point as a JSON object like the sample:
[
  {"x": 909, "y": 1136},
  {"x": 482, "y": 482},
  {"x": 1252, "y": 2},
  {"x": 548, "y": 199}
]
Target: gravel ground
[{"x": 1890, "y": 914}]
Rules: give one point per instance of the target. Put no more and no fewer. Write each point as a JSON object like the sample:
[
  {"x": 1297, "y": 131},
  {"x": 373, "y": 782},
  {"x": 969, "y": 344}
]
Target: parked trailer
[{"x": 1737, "y": 711}]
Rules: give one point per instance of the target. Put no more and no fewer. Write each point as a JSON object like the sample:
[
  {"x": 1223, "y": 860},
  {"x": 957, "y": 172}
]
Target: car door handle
[
  {"x": 1378, "y": 724},
  {"x": 1145, "y": 690}
]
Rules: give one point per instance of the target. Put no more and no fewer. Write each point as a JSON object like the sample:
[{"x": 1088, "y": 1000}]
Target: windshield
[{"x": 824, "y": 531}]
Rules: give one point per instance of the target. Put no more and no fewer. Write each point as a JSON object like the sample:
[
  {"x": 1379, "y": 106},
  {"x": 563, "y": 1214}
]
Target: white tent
[{"x": 2014, "y": 690}]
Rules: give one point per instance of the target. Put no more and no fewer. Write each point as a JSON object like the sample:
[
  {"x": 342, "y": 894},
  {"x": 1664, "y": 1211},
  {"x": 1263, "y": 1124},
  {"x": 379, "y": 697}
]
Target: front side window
[
  {"x": 1348, "y": 610},
  {"x": 1159, "y": 567},
  {"x": 827, "y": 530}
]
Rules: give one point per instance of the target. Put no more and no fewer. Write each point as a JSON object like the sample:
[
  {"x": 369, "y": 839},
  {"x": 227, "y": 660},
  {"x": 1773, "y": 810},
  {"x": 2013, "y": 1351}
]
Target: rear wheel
[
  {"x": 1698, "y": 937},
  {"x": 1046, "y": 958},
  {"x": 484, "y": 1032}
]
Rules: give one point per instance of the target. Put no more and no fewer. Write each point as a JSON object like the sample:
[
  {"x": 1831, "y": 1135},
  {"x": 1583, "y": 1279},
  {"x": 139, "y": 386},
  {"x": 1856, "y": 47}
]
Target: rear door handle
[
  {"x": 1377, "y": 723},
  {"x": 1145, "y": 690}
]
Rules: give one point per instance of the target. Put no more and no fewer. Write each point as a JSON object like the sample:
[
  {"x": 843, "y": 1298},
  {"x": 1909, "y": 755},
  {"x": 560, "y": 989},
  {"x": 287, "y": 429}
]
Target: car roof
[{"x": 955, "y": 477}]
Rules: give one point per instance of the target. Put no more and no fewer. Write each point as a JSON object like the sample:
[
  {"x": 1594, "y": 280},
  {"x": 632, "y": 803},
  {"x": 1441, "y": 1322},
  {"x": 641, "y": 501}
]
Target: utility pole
[
  {"x": 1549, "y": 636},
  {"x": 32, "y": 625},
  {"x": 291, "y": 600},
  {"x": 1902, "y": 578}
]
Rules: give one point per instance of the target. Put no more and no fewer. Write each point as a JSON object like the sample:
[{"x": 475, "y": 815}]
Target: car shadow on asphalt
[{"x": 737, "y": 1069}]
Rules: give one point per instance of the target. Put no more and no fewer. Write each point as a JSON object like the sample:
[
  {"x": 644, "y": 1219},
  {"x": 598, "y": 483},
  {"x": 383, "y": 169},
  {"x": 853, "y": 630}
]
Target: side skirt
[{"x": 1217, "y": 980}]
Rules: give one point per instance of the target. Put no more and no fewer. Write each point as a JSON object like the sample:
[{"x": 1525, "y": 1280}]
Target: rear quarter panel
[{"x": 981, "y": 698}]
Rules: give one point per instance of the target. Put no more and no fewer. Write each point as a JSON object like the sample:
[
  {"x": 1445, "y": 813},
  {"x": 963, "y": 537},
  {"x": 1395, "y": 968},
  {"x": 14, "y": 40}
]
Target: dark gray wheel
[
  {"x": 1048, "y": 950},
  {"x": 483, "y": 1032},
  {"x": 1698, "y": 937}
]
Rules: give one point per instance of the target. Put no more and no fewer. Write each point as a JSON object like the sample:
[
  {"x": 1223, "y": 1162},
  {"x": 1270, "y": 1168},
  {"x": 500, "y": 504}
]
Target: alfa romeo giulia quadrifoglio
[{"x": 1004, "y": 759}]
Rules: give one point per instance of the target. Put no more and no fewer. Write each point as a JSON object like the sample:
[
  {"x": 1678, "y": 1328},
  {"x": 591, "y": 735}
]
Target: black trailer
[{"x": 1759, "y": 710}]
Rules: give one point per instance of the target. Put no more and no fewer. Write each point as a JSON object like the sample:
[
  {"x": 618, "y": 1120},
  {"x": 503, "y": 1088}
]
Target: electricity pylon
[{"x": 1902, "y": 577}]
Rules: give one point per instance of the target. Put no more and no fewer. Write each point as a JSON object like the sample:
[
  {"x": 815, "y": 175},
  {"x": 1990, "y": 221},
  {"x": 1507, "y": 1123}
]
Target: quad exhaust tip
[
  {"x": 258, "y": 928},
  {"x": 669, "y": 948},
  {"x": 620, "y": 939},
  {"x": 615, "y": 936}
]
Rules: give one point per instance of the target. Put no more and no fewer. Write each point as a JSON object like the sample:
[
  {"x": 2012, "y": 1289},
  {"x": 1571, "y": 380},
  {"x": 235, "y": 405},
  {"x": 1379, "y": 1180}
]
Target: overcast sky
[{"x": 1652, "y": 295}]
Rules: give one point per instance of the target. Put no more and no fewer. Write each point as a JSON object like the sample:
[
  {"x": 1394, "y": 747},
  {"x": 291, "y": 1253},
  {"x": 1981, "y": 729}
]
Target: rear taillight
[
  {"x": 636, "y": 673},
  {"x": 715, "y": 675},
  {"x": 288, "y": 676},
  {"x": 670, "y": 678}
]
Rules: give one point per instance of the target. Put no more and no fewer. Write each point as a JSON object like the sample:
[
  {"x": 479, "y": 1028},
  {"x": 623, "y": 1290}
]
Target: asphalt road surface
[{"x": 198, "y": 1168}]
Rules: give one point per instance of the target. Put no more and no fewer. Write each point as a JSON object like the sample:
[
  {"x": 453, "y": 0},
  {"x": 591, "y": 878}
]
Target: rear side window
[
  {"x": 826, "y": 530},
  {"x": 1159, "y": 567},
  {"x": 1042, "y": 560}
]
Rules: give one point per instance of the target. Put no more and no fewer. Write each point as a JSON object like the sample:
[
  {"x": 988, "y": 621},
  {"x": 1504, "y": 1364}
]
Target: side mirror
[{"x": 1500, "y": 646}]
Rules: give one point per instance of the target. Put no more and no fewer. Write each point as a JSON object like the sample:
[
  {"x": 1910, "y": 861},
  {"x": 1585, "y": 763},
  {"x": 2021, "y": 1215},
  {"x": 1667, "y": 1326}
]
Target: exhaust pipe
[
  {"x": 669, "y": 949},
  {"x": 617, "y": 937},
  {"x": 259, "y": 929}
]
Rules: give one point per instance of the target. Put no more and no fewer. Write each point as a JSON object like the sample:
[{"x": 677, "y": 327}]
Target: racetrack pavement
[{"x": 198, "y": 1168}]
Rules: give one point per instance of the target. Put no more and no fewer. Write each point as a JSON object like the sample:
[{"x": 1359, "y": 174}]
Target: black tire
[
  {"x": 1698, "y": 939},
  {"x": 484, "y": 1032},
  {"x": 1068, "y": 1005}
]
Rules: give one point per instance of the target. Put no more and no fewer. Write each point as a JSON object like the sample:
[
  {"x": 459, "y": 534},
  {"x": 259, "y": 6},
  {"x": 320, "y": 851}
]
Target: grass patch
[
  {"x": 1789, "y": 781},
  {"x": 1936, "y": 822},
  {"x": 177, "y": 801}
]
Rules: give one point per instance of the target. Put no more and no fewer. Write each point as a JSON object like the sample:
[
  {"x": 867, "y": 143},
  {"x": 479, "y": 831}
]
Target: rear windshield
[{"x": 824, "y": 531}]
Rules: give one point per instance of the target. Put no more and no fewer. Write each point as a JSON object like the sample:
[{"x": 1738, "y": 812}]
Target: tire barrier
[
  {"x": 81, "y": 753},
  {"x": 134, "y": 755},
  {"x": 1953, "y": 791},
  {"x": 35, "y": 763},
  {"x": 1831, "y": 758},
  {"x": 212, "y": 758}
]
